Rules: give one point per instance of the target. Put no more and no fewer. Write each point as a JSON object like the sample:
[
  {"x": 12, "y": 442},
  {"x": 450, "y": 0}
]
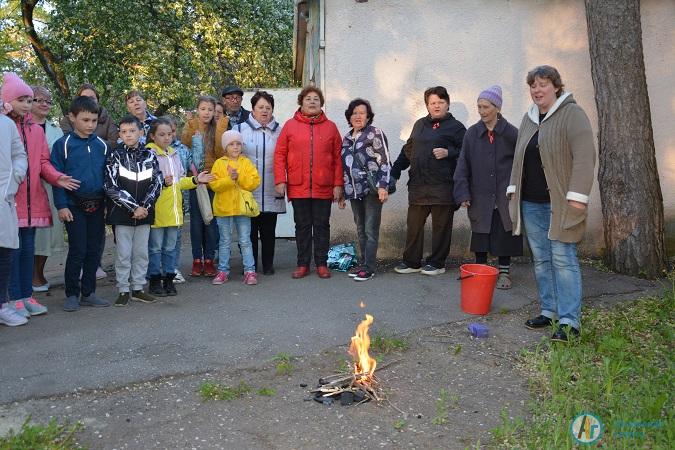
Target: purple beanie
[
  {"x": 493, "y": 94},
  {"x": 14, "y": 87}
]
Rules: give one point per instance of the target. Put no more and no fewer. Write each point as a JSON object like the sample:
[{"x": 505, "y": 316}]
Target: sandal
[{"x": 504, "y": 281}]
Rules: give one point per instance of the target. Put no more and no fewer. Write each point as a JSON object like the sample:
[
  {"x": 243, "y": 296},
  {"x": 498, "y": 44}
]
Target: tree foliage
[{"x": 171, "y": 50}]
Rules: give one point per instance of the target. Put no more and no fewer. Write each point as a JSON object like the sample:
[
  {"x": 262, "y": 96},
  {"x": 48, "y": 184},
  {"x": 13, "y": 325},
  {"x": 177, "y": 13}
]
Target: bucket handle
[{"x": 464, "y": 278}]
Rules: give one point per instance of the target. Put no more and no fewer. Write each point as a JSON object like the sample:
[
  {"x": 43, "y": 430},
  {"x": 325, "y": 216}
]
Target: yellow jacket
[
  {"x": 169, "y": 206},
  {"x": 226, "y": 201}
]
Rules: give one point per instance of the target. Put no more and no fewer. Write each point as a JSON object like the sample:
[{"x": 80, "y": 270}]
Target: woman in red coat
[{"x": 308, "y": 169}]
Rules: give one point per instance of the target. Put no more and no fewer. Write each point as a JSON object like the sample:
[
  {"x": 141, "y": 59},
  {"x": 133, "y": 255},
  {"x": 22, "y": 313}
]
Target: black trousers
[
  {"x": 441, "y": 234},
  {"x": 264, "y": 227},
  {"x": 312, "y": 226}
]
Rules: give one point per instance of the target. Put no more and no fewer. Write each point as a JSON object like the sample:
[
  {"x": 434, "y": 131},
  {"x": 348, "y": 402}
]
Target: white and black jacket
[{"x": 132, "y": 178}]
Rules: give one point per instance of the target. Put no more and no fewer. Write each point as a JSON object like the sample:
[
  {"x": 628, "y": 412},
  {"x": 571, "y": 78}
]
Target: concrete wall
[{"x": 389, "y": 51}]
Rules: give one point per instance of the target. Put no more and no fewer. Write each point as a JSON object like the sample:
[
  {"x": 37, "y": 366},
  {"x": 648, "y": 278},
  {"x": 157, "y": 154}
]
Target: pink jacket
[{"x": 32, "y": 203}]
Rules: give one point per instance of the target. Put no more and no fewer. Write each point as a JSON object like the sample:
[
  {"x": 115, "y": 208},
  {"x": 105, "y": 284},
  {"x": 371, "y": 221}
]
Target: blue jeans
[
  {"x": 5, "y": 271},
  {"x": 243, "y": 225},
  {"x": 367, "y": 215},
  {"x": 86, "y": 237},
  {"x": 176, "y": 251},
  {"x": 204, "y": 238},
  {"x": 556, "y": 267},
  {"x": 21, "y": 281},
  {"x": 162, "y": 251}
]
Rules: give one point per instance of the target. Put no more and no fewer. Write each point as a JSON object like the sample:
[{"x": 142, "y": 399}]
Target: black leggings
[{"x": 481, "y": 258}]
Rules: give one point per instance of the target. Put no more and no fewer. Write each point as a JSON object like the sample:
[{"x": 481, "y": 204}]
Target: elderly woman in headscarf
[{"x": 482, "y": 175}]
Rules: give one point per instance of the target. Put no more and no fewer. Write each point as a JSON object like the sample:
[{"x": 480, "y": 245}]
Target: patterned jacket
[
  {"x": 132, "y": 178},
  {"x": 365, "y": 158}
]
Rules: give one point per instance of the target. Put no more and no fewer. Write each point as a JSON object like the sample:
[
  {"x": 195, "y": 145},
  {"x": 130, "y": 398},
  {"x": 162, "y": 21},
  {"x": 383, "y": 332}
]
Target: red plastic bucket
[{"x": 478, "y": 285}]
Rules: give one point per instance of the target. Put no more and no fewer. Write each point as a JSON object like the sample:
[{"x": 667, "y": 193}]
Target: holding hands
[{"x": 233, "y": 173}]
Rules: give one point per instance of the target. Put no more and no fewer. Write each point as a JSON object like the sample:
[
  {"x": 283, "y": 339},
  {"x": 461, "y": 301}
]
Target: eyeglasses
[{"x": 41, "y": 100}]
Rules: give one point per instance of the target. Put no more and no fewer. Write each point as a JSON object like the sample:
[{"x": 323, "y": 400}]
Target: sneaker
[
  {"x": 563, "y": 333},
  {"x": 404, "y": 268},
  {"x": 197, "y": 268},
  {"x": 94, "y": 300},
  {"x": 209, "y": 268},
  {"x": 220, "y": 278},
  {"x": 354, "y": 271},
  {"x": 122, "y": 299},
  {"x": 71, "y": 304},
  {"x": 364, "y": 275},
  {"x": 540, "y": 321},
  {"x": 20, "y": 307},
  {"x": 9, "y": 317},
  {"x": 142, "y": 297},
  {"x": 34, "y": 307},
  {"x": 250, "y": 278},
  {"x": 179, "y": 278},
  {"x": 431, "y": 270},
  {"x": 101, "y": 274},
  {"x": 41, "y": 288}
]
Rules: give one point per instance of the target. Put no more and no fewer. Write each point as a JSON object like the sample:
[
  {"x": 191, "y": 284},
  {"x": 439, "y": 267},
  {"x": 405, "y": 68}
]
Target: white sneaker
[
  {"x": 9, "y": 317},
  {"x": 100, "y": 274},
  {"x": 179, "y": 279}
]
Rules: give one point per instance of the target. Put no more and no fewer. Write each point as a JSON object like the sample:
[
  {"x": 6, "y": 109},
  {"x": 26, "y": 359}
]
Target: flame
[
  {"x": 363, "y": 363},
  {"x": 362, "y": 305}
]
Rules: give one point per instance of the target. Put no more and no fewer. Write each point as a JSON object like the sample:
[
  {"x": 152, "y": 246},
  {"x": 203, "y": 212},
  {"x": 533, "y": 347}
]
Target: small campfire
[{"x": 360, "y": 384}]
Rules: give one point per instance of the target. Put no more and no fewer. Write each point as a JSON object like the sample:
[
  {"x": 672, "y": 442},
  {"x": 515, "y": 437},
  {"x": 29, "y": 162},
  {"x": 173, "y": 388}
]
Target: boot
[
  {"x": 169, "y": 288},
  {"x": 155, "y": 287}
]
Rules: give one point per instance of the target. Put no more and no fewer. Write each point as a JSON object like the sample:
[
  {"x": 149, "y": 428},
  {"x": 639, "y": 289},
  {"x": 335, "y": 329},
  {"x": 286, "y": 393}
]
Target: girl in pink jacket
[{"x": 32, "y": 204}]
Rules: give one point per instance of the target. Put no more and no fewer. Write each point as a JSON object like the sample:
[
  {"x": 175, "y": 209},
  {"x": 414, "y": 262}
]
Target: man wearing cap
[{"x": 232, "y": 97}]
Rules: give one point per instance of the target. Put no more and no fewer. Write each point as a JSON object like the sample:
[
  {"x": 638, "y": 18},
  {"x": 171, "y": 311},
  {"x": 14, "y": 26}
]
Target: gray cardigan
[
  {"x": 13, "y": 166},
  {"x": 567, "y": 152},
  {"x": 483, "y": 173}
]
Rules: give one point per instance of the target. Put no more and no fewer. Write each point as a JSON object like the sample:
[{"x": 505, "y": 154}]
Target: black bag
[{"x": 89, "y": 203}]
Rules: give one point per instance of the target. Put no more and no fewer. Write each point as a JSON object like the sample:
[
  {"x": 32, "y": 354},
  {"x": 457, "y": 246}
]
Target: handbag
[
  {"x": 203, "y": 200},
  {"x": 247, "y": 205}
]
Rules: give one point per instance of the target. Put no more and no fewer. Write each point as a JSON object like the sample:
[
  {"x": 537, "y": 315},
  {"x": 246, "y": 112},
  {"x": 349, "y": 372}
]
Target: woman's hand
[
  {"x": 466, "y": 204},
  {"x": 65, "y": 215},
  {"x": 575, "y": 204},
  {"x": 440, "y": 152},
  {"x": 382, "y": 194},
  {"x": 337, "y": 193},
  {"x": 205, "y": 177},
  {"x": 68, "y": 182},
  {"x": 280, "y": 189}
]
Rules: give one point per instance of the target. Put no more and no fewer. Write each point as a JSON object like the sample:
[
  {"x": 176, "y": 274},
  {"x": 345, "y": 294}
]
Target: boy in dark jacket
[
  {"x": 81, "y": 154},
  {"x": 132, "y": 184}
]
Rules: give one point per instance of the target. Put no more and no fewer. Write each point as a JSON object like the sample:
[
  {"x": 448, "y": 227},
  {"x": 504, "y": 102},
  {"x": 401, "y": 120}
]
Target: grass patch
[
  {"x": 442, "y": 408},
  {"x": 267, "y": 392},
  {"x": 284, "y": 365},
  {"x": 215, "y": 391},
  {"x": 52, "y": 436},
  {"x": 385, "y": 344},
  {"x": 399, "y": 424},
  {"x": 621, "y": 370}
]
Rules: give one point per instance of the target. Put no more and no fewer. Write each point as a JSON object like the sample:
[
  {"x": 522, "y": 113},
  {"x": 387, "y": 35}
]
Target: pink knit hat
[
  {"x": 229, "y": 137},
  {"x": 14, "y": 87}
]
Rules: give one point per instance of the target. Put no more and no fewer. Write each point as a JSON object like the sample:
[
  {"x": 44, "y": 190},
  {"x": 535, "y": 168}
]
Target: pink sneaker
[
  {"x": 220, "y": 278},
  {"x": 34, "y": 307},
  {"x": 250, "y": 278}
]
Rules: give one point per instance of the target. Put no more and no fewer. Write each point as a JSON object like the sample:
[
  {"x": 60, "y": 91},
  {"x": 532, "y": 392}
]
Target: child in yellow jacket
[
  {"x": 168, "y": 209},
  {"x": 233, "y": 172}
]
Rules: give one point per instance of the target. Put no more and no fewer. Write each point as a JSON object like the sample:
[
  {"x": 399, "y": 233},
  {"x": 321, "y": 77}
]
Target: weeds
[
  {"x": 43, "y": 437},
  {"x": 399, "y": 424},
  {"x": 385, "y": 344},
  {"x": 442, "y": 408},
  {"x": 283, "y": 366},
  {"x": 621, "y": 370},
  {"x": 267, "y": 392},
  {"x": 215, "y": 391}
]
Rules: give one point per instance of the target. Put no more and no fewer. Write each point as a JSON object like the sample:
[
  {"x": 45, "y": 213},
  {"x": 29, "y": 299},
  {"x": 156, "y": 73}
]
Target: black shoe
[
  {"x": 538, "y": 322},
  {"x": 156, "y": 287},
  {"x": 122, "y": 299},
  {"x": 268, "y": 271},
  {"x": 169, "y": 288},
  {"x": 565, "y": 331}
]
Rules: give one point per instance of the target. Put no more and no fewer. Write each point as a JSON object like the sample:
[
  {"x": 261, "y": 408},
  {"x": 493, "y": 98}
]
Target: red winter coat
[
  {"x": 307, "y": 157},
  {"x": 32, "y": 203}
]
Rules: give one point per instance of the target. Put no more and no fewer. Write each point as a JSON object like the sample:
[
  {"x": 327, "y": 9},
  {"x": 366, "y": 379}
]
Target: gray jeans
[
  {"x": 367, "y": 215},
  {"x": 131, "y": 256}
]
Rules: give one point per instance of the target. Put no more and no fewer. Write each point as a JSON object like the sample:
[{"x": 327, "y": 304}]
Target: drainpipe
[{"x": 322, "y": 45}]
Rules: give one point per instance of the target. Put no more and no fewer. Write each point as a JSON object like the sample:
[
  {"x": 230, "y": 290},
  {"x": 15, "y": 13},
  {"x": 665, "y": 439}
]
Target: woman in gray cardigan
[
  {"x": 482, "y": 175},
  {"x": 549, "y": 191},
  {"x": 260, "y": 132}
]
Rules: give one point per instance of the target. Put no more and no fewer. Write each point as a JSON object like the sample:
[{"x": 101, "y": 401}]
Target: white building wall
[{"x": 390, "y": 51}]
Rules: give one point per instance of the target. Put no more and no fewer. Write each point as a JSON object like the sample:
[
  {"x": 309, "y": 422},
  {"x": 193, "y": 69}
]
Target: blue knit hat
[{"x": 493, "y": 94}]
